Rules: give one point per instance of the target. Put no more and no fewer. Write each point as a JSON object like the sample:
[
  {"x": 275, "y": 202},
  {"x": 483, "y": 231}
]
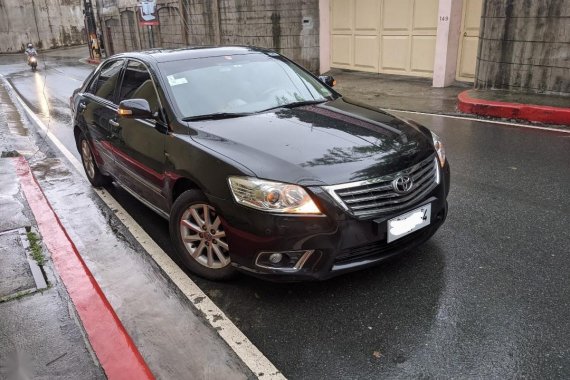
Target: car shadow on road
[
  {"x": 374, "y": 319},
  {"x": 371, "y": 320}
]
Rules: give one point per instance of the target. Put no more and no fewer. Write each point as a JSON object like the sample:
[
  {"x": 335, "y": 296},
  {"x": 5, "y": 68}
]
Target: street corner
[{"x": 91, "y": 61}]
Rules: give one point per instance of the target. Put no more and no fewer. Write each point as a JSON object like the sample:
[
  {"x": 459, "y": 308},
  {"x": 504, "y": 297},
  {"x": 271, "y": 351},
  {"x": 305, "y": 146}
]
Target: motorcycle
[{"x": 33, "y": 62}]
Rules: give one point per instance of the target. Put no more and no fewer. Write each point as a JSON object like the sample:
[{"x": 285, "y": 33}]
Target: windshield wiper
[
  {"x": 228, "y": 115},
  {"x": 296, "y": 104},
  {"x": 216, "y": 116}
]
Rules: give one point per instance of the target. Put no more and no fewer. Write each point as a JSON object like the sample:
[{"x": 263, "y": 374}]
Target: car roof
[{"x": 164, "y": 55}]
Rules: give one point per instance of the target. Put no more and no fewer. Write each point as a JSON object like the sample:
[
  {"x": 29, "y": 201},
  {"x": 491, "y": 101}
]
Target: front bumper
[{"x": 339, "y": 242}]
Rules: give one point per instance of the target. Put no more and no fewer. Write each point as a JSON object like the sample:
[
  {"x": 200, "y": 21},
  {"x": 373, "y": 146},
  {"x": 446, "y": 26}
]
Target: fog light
[
  {"x": 287, "y": 261},
  {"x": 275, "y": 258}
]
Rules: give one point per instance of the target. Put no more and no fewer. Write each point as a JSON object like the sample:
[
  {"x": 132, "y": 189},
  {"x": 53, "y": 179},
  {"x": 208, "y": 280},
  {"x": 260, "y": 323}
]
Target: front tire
[
  {"x": 94, "y": 175},
  {"x": 199, "y": 237}
]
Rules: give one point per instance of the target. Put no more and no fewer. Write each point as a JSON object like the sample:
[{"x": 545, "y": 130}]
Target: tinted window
[
  {"x": 105, "y": 84},
  {"x": 137, "y": 84},
  {"x": 239, "y": 83}
]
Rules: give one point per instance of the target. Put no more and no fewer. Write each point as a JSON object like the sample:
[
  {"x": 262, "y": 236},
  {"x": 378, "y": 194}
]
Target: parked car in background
[{"x": 257, "y": 164}]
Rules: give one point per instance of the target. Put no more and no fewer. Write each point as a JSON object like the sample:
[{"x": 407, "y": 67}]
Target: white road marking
[
  {"x": 242, "y": 346},
  {"x": 480, "y": 120}
]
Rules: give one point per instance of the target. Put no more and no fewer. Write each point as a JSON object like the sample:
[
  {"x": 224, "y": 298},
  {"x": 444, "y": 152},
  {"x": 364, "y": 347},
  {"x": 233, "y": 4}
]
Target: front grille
[{"x": 377, "y": 196}]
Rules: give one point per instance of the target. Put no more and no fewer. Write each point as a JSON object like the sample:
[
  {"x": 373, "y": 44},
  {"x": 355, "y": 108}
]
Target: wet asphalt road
[{"x": 488, "y": 296}]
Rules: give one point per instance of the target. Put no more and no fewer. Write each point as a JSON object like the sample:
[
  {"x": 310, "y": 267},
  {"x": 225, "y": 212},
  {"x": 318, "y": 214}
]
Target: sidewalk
[
  {"x": 398, "y": 92},
  {"x": 404, "y": 93},
  {"x": 40, "y": 336}
]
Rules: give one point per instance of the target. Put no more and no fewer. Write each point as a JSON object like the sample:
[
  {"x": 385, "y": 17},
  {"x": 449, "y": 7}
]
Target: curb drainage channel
[{"x": 20, "y": 272}]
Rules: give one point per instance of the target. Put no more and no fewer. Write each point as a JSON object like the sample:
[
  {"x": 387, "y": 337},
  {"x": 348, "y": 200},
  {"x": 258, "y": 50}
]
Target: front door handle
[{"x": 115, "y": 128}]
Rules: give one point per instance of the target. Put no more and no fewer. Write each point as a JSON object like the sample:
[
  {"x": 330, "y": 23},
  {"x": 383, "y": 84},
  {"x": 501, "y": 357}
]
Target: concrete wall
[
  {"x": 274, "y": 24},
  {"x": 59, "y": 23},
  {"x": 290, "y": 27},
  {"x": 525, "y": 46}
]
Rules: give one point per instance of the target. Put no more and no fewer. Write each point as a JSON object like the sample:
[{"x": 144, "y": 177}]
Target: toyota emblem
[{"x": 403, "y": 184}]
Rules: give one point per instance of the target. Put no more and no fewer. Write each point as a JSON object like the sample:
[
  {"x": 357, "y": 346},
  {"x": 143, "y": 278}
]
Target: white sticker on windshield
[{"x": 176, "y": 81}]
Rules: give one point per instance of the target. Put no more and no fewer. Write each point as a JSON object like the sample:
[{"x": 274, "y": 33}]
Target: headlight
[
  {"x": 438, "y": 145},
  {"x": 272, "y": 196}
]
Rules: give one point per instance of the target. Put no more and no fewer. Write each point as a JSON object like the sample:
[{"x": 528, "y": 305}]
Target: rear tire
[
  {"x": 199, "y": 237},
  {"x": 93, "y": 173}
]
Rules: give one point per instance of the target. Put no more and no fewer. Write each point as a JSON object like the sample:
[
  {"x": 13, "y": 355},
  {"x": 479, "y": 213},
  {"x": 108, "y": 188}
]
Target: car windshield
[{"x": 239, "y": 84}]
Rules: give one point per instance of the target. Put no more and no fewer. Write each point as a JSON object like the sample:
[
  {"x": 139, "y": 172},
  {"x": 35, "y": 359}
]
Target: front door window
[
  {"x": 137, "y": 84},
  {"x": 106, "y": 83}
]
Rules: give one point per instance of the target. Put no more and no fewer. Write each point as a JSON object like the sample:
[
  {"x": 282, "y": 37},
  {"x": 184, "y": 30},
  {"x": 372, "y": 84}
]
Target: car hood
[{"x": 329, "y": 143}]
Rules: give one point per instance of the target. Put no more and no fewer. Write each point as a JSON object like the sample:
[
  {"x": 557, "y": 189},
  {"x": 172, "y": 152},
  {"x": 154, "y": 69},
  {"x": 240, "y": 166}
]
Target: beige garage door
[
  {"x": 467, "y": 57},
  {"x": 386, "y": 36}
]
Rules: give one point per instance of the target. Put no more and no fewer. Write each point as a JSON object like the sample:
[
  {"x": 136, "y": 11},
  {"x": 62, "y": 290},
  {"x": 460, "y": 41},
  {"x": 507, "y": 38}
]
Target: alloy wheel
[
  {"x": 87, "y": 159},
  {"x": 204, "y": 237}
]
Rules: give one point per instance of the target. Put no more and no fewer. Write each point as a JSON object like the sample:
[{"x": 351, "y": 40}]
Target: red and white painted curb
[
  {"x": 113, "y": 346},
  {"x": 530, "y": 112}
]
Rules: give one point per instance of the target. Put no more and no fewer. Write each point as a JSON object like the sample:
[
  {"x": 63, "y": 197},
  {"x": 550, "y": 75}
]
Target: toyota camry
[{"x": 258, "y": 165}]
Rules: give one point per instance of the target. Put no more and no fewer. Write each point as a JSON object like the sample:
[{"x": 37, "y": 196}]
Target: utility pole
[
  {"x": 148, "y": 17},
  {"x": 150, "y": 36},
  {"x": 91, "y": 28}
]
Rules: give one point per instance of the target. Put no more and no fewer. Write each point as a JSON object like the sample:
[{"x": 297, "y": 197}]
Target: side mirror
[
  {"x": 135, "y": 109},
  {"x": 328, "y": 80}
]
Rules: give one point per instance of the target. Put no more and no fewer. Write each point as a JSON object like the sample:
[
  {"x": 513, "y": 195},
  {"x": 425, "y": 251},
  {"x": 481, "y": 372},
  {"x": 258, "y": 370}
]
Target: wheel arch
[
  {"x": 76, "y": 132},
  {"x": 180, "y": 186}
]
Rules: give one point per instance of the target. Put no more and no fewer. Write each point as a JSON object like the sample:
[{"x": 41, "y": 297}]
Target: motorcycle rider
[{"x": 30, "y": 52}]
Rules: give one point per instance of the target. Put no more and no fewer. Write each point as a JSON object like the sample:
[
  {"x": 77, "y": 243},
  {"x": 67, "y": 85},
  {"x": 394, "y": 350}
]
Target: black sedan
[{"x": 257, "y": 164}]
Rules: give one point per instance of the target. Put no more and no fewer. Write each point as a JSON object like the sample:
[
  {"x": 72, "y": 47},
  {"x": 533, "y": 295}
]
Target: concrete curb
[
  {"x": 529, "y": 112},
  {"x": 115, "y": 350}
]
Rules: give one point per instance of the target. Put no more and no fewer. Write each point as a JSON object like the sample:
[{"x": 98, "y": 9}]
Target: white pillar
[
  {"x": 324, "y": 36},
  {"x": 447, "y": 42}
]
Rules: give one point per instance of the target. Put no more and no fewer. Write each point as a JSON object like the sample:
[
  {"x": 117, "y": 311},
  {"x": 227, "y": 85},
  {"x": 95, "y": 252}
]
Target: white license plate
[{"x": 403, "y": 225}]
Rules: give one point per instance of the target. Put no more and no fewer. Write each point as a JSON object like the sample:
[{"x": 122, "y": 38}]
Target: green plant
[{"x": 36, "y": 248}]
